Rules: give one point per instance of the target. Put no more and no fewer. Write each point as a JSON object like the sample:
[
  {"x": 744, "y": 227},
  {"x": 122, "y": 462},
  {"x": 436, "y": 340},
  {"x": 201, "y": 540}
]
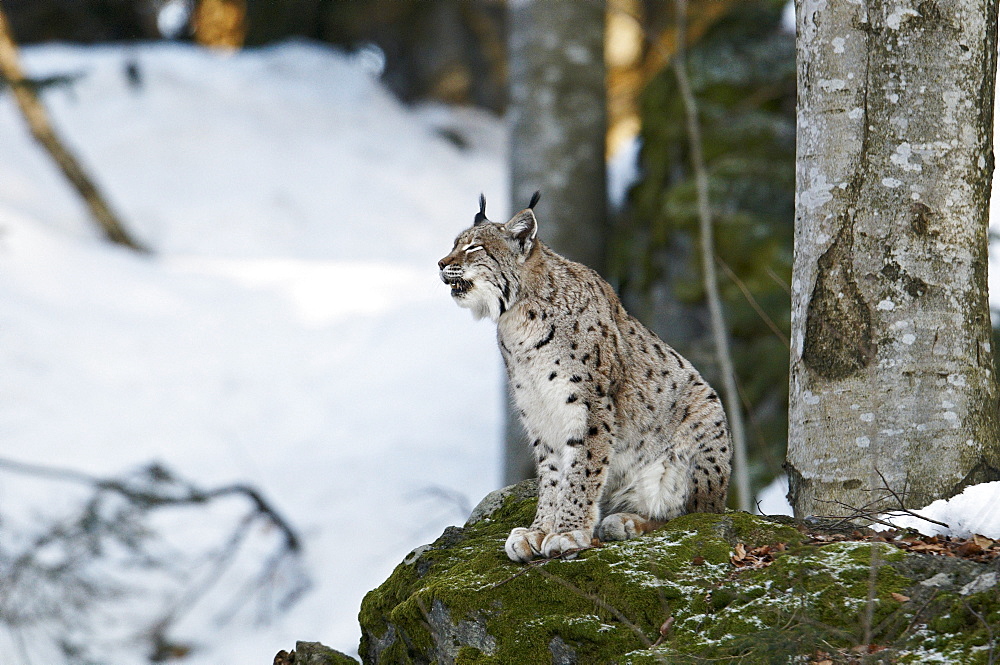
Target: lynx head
[{"x": 483, "y": 266}]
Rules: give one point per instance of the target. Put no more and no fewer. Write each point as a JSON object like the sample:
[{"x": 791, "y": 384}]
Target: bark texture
[
  {"x": 558, "y": 122},
  {"x": 891, "y": 363},
  {"x": 557, "y": 111}
]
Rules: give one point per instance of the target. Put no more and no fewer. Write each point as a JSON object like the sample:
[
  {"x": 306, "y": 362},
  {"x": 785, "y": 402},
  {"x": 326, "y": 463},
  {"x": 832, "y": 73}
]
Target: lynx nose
[{"x": 445, "y": 262}]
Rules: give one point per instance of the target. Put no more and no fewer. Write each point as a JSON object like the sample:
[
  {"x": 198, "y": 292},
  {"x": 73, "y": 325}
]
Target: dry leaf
[
  {"x": 899, "y": 597},
  {"x": 969, "y": 548},
  {"x": 983, "y": 541}
]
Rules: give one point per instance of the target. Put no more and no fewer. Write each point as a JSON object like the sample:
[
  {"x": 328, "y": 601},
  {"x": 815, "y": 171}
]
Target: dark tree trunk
[{"x": 557, "y": 115}]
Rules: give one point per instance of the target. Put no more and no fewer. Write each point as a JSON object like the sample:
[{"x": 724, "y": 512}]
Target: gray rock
[
  {"x": 461, "y": 600},
  {"x": 526, "y": 489},
  {"x": 314, "y": 653}
]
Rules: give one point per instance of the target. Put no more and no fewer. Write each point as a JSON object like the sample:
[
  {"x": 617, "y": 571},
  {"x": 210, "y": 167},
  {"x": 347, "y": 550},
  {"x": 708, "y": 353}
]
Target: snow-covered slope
[{"x": 290, "y": 330}]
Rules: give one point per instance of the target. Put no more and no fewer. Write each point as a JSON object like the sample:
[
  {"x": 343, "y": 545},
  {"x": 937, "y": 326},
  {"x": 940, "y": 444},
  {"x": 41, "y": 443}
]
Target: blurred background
[{"x": 222, "y": 431}]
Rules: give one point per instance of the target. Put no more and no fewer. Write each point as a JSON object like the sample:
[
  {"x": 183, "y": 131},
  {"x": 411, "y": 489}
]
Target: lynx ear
[
  {"x": 522, "y": 227},
  {"x": 481, "y": 215}
]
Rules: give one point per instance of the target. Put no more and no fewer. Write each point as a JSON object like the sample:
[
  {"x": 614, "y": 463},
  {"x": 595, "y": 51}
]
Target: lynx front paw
[
  {"x": 557, "y": 544},
  {"x": 523, "y": 545}
]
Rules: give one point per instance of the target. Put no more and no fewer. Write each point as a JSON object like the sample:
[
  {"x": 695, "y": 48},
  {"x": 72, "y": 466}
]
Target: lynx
[{"x": 625, "y": 432}]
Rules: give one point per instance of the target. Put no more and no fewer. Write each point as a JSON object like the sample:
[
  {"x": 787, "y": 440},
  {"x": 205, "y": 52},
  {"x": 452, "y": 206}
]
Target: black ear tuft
[
  {"x": 534, "y": 200},
  {"x": 481, "y": 215}
]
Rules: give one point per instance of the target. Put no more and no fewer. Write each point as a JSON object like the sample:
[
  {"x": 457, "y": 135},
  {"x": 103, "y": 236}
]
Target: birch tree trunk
[
  {"x": 557, "y": 112},
  {"x": 891, "y": 364}
]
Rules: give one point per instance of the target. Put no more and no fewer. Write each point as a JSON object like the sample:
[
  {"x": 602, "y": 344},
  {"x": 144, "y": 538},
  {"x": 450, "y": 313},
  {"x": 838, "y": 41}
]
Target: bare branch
[
  {"x": 79, "y": 568},
  {"x": 719, "y": 329},
  {"x": 41, "y": 129},
  {"x": 872, "y": 510},
  {"x": 741, "y": 285}
]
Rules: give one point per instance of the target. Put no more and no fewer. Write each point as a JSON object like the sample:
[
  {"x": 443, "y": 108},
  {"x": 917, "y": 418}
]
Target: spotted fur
[{"x": 626, "y": 434}]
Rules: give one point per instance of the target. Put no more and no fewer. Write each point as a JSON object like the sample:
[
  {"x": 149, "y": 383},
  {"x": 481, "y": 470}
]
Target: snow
[
  {"x": 771, "y": 500},
  {"x": 290, "y": 331},
  {"x": 623, "y": 171},
  {"x": 975, "y": 511}
]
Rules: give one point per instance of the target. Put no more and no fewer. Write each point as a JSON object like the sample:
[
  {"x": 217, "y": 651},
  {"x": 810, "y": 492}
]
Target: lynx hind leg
[
  {"x": 622, "y": 526},
  {"x": 710, "y": 470}
]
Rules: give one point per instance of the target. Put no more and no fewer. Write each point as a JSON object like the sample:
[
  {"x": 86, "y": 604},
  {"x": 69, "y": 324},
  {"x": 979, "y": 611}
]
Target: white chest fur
[
  {"x": 547, "y": 414},
  {"x": 543, "y": 392}
]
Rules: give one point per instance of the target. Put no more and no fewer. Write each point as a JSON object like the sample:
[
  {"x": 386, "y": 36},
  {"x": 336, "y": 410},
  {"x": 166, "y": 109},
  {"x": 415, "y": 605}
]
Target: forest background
[
  {"x": 742, "y": 65},
  {"x": 741, "y": 62}
]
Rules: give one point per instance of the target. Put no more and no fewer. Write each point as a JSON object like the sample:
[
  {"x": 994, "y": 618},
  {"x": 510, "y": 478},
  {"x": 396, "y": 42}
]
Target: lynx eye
[{"x": 473, "y": 248}]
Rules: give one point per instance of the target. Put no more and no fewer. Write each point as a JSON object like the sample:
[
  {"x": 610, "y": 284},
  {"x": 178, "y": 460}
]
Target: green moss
[{"x": 463, "y": 599}]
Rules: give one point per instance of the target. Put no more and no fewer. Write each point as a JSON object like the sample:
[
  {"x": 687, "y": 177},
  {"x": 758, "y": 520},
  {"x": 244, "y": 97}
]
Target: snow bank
[
  {"x": 975, "y": 510},
  {"x": 771, "y": 500},
  {"x": 290, "y": 331}
]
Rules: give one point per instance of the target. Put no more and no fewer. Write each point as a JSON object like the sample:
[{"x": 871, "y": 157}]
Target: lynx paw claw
[
  {"x": 523, "y": 545},
  {"x": 556, "y": 544}
]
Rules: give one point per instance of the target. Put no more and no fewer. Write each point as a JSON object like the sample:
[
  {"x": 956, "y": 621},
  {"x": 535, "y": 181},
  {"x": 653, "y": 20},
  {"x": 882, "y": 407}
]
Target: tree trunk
[
  {"x": 891, "y": 363},
  {"x": 220, "y": 24},
  {"x": 558, "y": 125}
]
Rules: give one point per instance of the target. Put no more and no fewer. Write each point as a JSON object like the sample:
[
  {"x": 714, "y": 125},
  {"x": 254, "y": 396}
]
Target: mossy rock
[{"x": 460, "y": 600}]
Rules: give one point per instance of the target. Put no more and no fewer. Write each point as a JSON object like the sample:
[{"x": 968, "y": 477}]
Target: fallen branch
[{"x": 41, "y": 129}]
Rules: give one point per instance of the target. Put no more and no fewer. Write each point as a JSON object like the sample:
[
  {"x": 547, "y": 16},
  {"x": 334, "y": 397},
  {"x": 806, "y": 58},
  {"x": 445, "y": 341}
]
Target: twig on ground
[
  {"x": 991, "y": 654},
  {"x": 869, "y": 512},
  {"x": 599, "y": 602}
]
